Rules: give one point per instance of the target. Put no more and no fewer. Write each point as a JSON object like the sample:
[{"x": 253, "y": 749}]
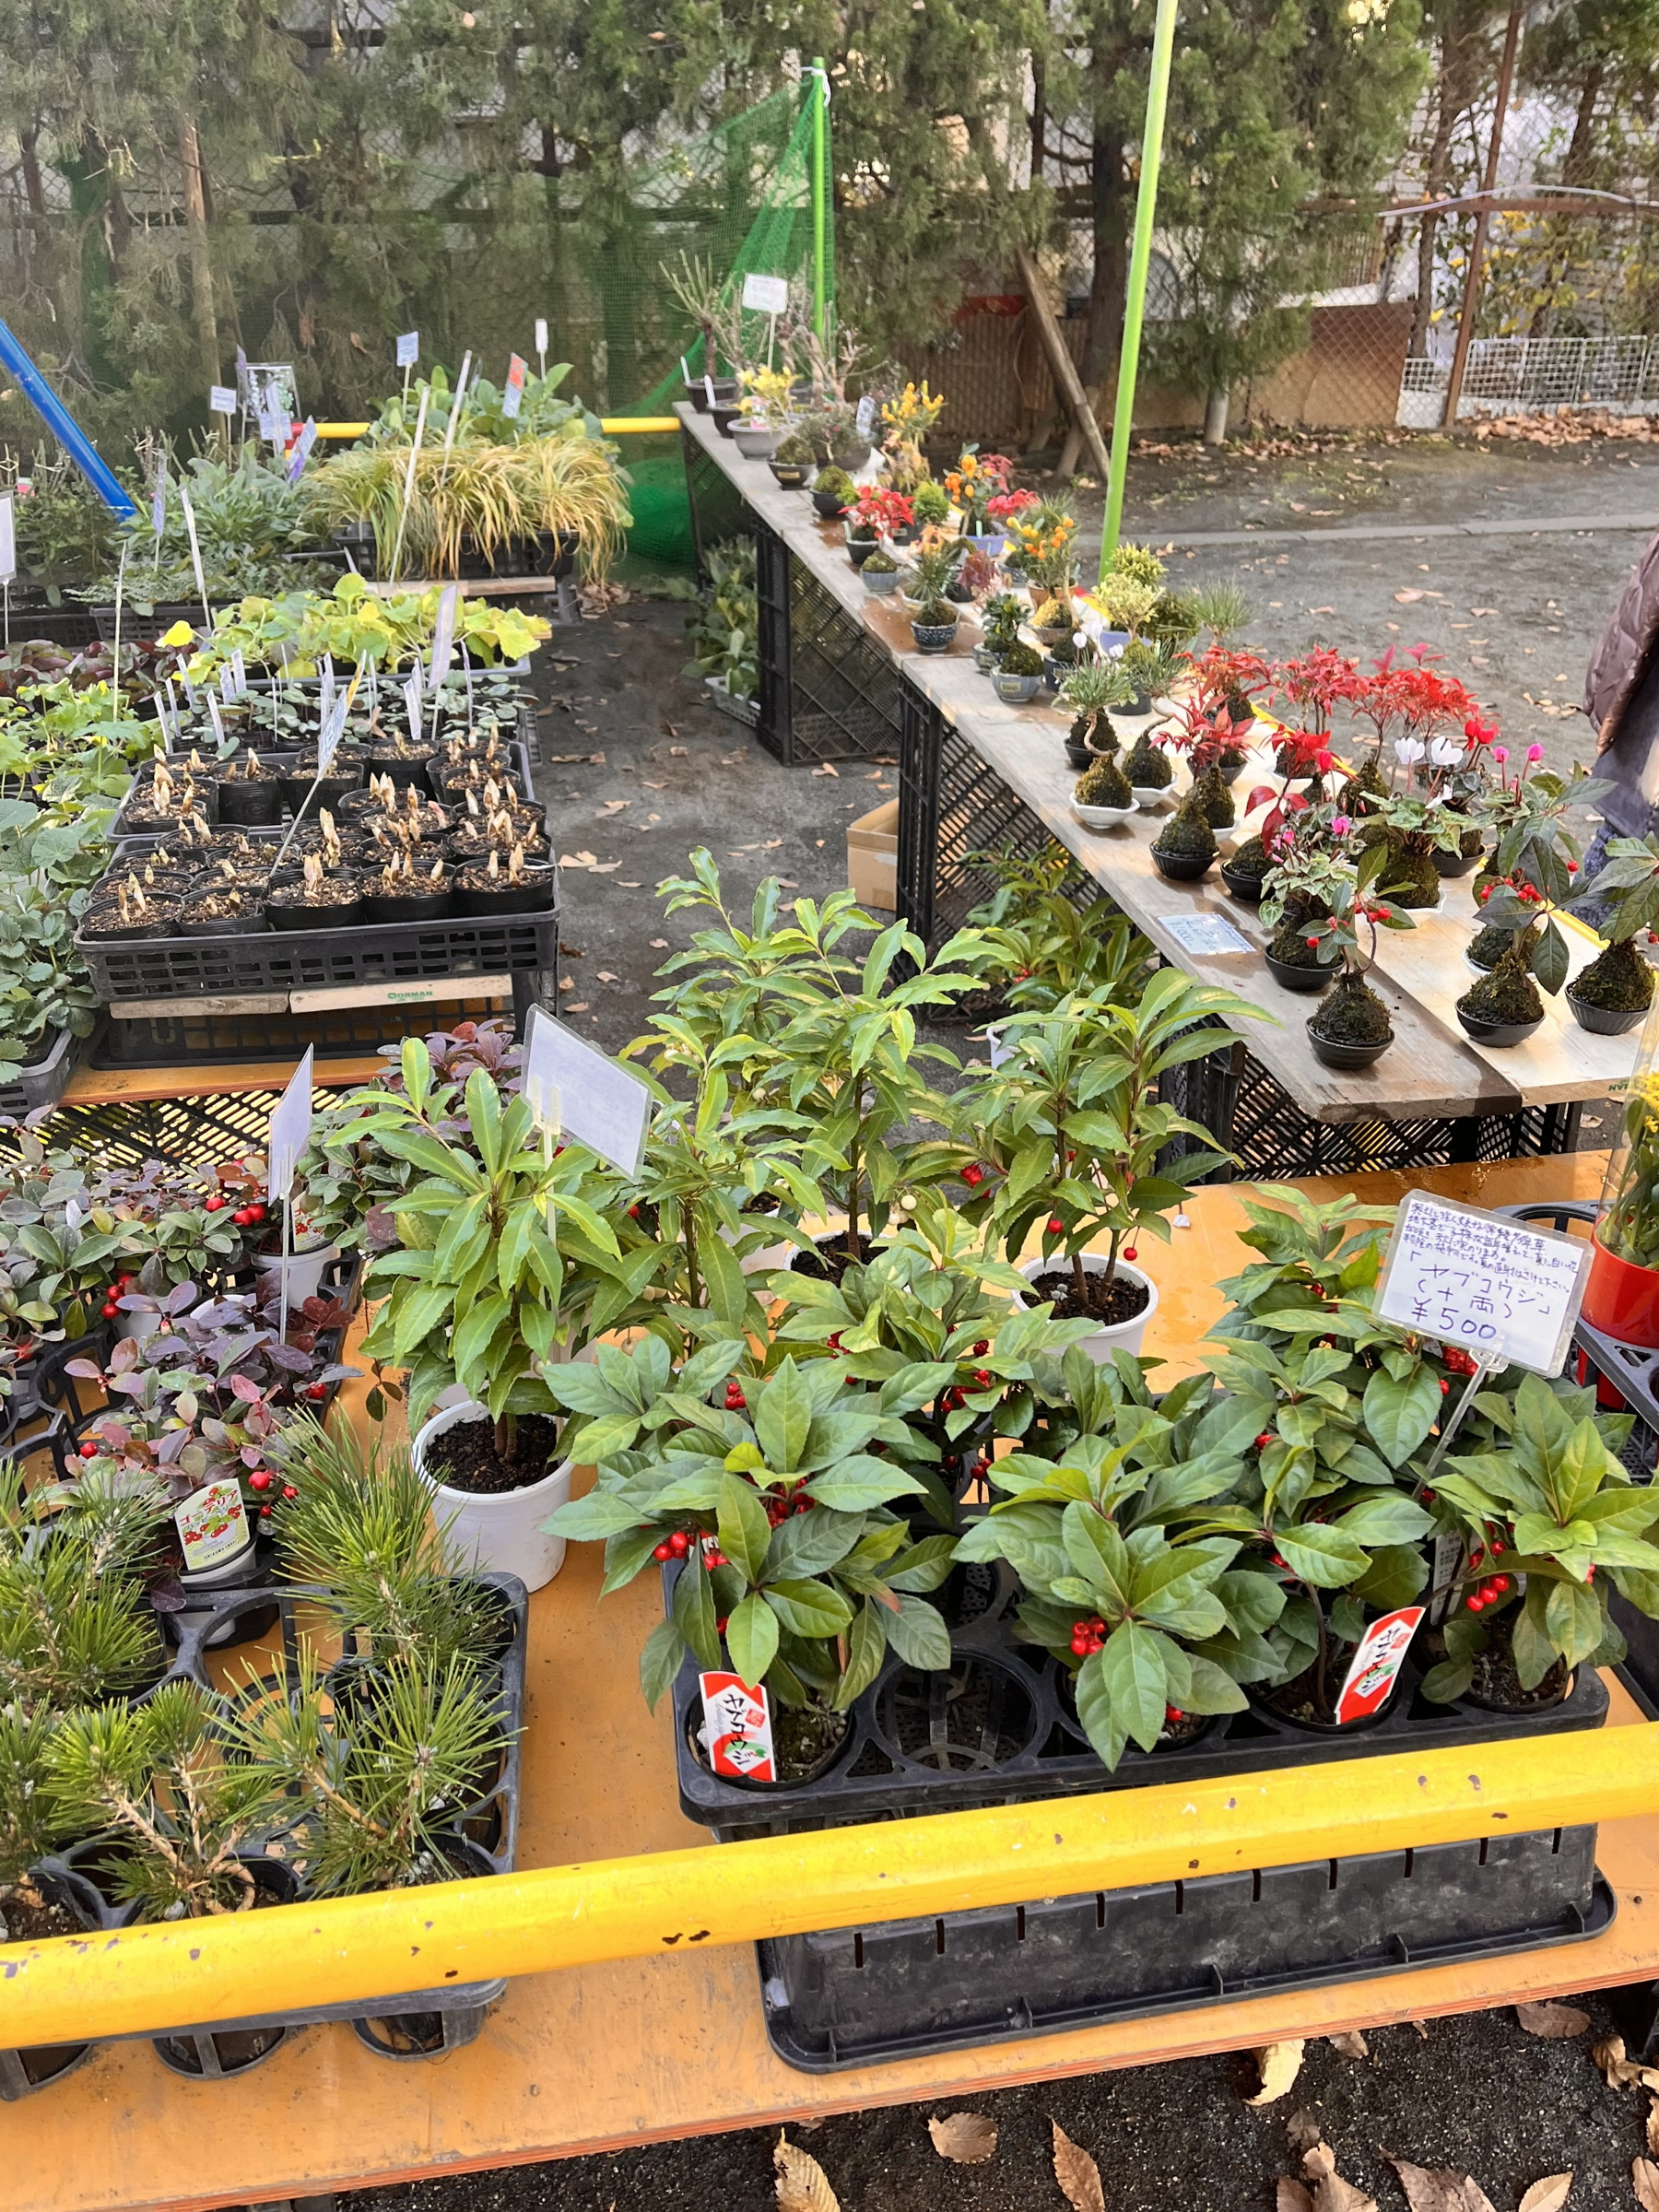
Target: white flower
[
  {"x": 1409, "y": 751},
  {"x": 1445, "y": 752}
]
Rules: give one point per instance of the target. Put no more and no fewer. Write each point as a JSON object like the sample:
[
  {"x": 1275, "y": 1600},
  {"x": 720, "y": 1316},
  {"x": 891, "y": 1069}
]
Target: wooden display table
[
  {"x": 975, "y": 775},
  {"x": 598, "y": 2058}
]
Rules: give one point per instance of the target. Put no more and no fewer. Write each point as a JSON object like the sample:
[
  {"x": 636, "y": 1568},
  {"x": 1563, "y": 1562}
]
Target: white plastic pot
[
  {"x": 305, "y": 1271},
  {"x": 1101, "y": 818},
  {"x": 1123, "y": 1336},
  {"x": 502, "y": 1533},
  {"x": 229, "y": 1575}
]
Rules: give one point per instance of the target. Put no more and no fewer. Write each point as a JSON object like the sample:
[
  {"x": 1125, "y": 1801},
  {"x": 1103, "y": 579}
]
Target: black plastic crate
[
  {"x": 171, "y": 1040},
  {"x": 908, "y": 1988},
  {"x": 41, "y": 1083},
  {"x": 208, "y": 1126},
  {"x": 283, "y": 759},
  {"x": 416, "y": 2024},
  {"x": 997, "y": 1727}
]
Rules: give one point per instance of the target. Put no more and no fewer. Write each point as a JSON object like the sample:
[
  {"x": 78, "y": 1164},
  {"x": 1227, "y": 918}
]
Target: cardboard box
[{"x": 873, "y": 856}]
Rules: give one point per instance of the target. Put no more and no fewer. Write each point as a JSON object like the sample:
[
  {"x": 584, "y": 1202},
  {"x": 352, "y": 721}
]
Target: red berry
[
  {"x": 1056, "y": 1228},
  {"x": 213, "y": 1205},
  {"x": 680, "y": 1543},
  {"x": 110, "y": 1311},
  {"x": 1314, "y": 941},
  {"x": 1501, "y": 1582},
  {"x": 265, "y": 1512},
  {"x": 1475, "y": 1604},
  {"x": 242, "y": 1217},
  {"x": 289, "y": 1491},
  {"x": 260, "y": 1480},
  {"x": 257, "y": 1212},
  {"x": 316, "y": 1389},
  {"x": 805, "y": 1505},
  {"x": 1080, "y": 1645},
  {"x": 1173, "y": 1713},
  {"x": 973, "y": 1177},
  {"x": 720, "y": 1626},
  {"x": 981, "y": 1375},
  {"x": 1129, "y": 1251},
  {"x": 89, "y": 1450},
  {"x": 982, "y": 1347},
  {"x": 662, "y": 1551},
  {"x": 1445, "y": 1386},
  {"x": 1264, "y": 1440}
]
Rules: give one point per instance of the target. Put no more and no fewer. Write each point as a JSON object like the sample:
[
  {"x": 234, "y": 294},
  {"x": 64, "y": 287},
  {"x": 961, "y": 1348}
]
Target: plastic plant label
[
  {"x": 1502, "y": 1289},
  {"x": 273, "y": 427},
  {"x": 411, "y": 692},
  {"x": 332, "y": 730},
  {"x": 8, "y": 538},
  {"x": 409, "y": 349},
  {"x": 159, "y": 504},
  {"x": 303, "y": 449},
  {"x": 443, "y": 637},
  {"x": 221, "y": 399},
  {"x": 766, "y": 295},
  {"x": 290, "y": 1130},
  {"x": 1211, "y": 934},
  {"x": 239, "y": 675},
  {"x": 244, "y": 382},
  {"x": 865, "y": 420},
  {"x": 708, "y": 389},
  {"x": 512, "y": 396},
  {"x": 601, "y": 1104},
  {"x": 195, "y": 545},
  {"x": 541, "y": 336},
  {"x": 737, "y": 1723},
  {"x": 1377, "y": 1664},
  {"x": 212, "y": 1525}
]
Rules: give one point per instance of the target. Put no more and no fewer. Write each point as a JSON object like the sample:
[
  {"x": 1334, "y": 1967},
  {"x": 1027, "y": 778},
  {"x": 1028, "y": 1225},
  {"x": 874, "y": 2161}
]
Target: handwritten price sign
[{"x": 1502, "y": 1289}]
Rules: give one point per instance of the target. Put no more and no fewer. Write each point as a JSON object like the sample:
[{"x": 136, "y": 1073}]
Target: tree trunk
[
  {"x": 201, "y": 260},
  {"x": 1108, "y": 286},
  {"x": 1215, "y": 416},
  {"x": 34, "y": 189},
  {"x": 1039, "y": 118},
  {"x": 1579, "y": 164}
]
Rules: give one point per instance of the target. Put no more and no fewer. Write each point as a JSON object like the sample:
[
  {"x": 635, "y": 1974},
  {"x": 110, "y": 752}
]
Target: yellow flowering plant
[
  {"x": 906, "y": 422},
  {"x": 765, "y": 395}
]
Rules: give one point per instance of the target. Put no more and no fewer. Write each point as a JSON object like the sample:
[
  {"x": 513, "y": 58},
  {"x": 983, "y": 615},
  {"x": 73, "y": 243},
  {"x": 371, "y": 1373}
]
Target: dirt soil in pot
[
  {"x": 1108, "y": 1302},
  {"x": 465, "y": 1457},
  {"x": 1298, "y": 1698},
  {"x": 27, "y": 1920}
]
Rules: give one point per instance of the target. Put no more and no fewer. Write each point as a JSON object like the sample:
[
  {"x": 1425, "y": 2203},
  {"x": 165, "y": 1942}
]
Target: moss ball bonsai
[
  {"x": 796, "y": 453},
  {"x": 1490, "y": 944},
  {"x": 1290, "y": 944},
  {"x": 1410, "y": 878},
  {"x": 883, "y": 564},
  {"x": 1617, "y": 980},
  {"x": 1353, "y": 1013},
  {"x": 1252, "y": 860},
  {"x": 1508, "y": 995},
  {"x": 1104, "y": 784},
  {"x": 1021, "y": 658},
  {"x": 1186, "y": 842},
  {"x": 1213, "y": 794},
  {"x": 1148, "y": 767}
]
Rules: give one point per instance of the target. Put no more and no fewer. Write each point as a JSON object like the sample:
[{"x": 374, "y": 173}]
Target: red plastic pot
[{"x": 1622, "y": 1300}]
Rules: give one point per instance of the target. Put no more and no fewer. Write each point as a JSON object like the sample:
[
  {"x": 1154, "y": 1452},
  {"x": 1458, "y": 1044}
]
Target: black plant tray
[
  {"x": 175, "y": 1039},
  {"x": 908, "y": 1988},
  {"x": 303, "y": 959},
  {"x": 436, "y": 2020},
  {"x": 282, "y": 758},
  {"x": 41, "y": 1083},
  {"x": 994, "y": 1729}
]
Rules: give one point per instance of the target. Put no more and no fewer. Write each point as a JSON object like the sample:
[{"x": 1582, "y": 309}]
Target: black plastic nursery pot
[
  {"x": 1181, "y": 867},
  {"x": 251, "y": 805},
  {"x": 24, "y": 2072}
]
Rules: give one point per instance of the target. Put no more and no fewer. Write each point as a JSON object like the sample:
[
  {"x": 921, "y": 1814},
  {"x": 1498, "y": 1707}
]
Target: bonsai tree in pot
[
  {"x": 1091, "y": 691},
  {"x": 31, "y": 1827},
  {"x": 1076, "y": 1128},
  {"x": 185, "y": 1802},
  {"x": 1186, "y": 844},
  {"x": 773, "y": 1503},
  {"x": 1616, "y": 990},
  {"x": 1540, "y": 1516},
  {"x": 1352, "y": 1026},
  {"x": 76, "y": 1628},
  {"x": 1018, "y": 673},
  {"x": 1001, "y": 616}
]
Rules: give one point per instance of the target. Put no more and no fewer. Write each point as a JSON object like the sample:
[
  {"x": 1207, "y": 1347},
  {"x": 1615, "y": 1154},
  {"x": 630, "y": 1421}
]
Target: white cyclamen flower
[
  {"x": 1444, "y": 752},
  {"x": 1409, "y": 751}
]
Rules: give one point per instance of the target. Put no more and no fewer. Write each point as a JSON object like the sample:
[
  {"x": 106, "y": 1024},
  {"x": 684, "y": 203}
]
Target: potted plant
[
  {"x": 934, "y": 626},
  {"x": 930, "y": 504},
  {"x": 1621, "y": 1298},
  {"x": 1549, "y": 1521},
  {"x": 1614, "y": 993},
  {"x": 1018, "y": 673},
  {"x": 494, "y": 1236},
  {"x": 1077, "y": 1130},
  {"x": 791, "y": 464},
  {"x": 977, "y": 480},
  {"x": 765, "y": 1497},
  {"x": 833, "y": 491},
  {"x": 1304, "y": 867},
  {"x": 1001, "y": 619},
  {"x": 1150, "y": 772},
  {"x": 878, "y": 511},
  {"x": 1503, "y": 1008},
  {"x": 33, "y": 1902},
  {"x": 906, "y": 422},
  {"x": 763, "y": 420},
  {"x": 1101, "y": 796},
  {"x": 1091, "y": 691},
  {"x": 879, "y": 573},
  {"x": 1043, "y": 538},
  {"x": 1351, "y": 1029},
  {"x": 1186, "y": 848}
]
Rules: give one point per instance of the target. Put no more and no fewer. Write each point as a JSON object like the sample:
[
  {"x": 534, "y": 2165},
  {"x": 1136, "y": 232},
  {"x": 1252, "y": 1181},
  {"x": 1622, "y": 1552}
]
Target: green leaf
[
  {"x": 866, "y": 1648},
  {"x": 660, "y": 1660},
  {"x": 743, "y": 1530},
  {"x": 1211, "y": 1689},
  {"x": 1447, "y": 1681},
  {"x": 1573, "y": 1619},
  {"x": 1399, "y": 1415},
  {"x": 781, "y": 1413},
  {"x": 1098, "y": 1552},
  {"x": 1098, "y": 1712},
  {"x": 600, "y": 1513},
  {"x": 752, "y": 1639},
  {"x": 1133, "y": 1671},
  {"x": 694, "y": 1610},
  {"x": 625, "y": 1554},
  {"x": 919, "y": 1635},
  {"x": 862, "y": 1483},
  {"x": 809, "y": 1608},
  {"x": 1323, "y": 1556},
  {"x": 809, "y": 1544}
]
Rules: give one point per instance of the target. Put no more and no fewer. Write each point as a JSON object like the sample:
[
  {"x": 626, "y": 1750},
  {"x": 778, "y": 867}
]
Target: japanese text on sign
[
  {"x": 737, "y": 1721},
  {"x": 1501, "y": 1288}
]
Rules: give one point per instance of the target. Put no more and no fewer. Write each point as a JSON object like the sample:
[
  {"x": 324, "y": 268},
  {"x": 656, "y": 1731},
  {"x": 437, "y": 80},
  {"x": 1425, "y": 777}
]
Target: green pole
[
  {"x": 1140, "y": 261},
  {"x": 821, "y": 166}
]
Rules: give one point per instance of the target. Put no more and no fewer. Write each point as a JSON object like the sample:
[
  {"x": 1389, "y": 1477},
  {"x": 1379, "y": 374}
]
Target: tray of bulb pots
[
  {"x": 165, "y": 797},
  {"x": 506, "y": 885},
  {"x": 250, "y": 787}
]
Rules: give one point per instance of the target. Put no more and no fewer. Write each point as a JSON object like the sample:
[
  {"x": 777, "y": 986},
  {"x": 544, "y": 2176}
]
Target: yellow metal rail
[
  {"x": 349, "y": 1949},
  {"x": 614, "y": 425}
]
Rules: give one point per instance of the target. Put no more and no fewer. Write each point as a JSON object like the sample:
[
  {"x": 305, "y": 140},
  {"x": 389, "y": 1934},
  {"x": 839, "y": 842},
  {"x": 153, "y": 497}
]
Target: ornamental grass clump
[{"x": 1104, "y": 784}]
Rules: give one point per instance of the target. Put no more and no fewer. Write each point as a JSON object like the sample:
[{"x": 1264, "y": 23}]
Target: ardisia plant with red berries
[
  {"x": 1539, "y": 1514},
  {"x": 771, "y": 1495}
]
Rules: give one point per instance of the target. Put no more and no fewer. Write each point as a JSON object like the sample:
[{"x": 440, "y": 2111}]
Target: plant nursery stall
[{"x": 1057, "y": 1481}]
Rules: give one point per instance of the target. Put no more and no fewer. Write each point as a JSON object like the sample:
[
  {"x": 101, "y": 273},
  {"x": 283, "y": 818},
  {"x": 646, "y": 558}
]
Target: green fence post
[
  {"x": 821, "y": 164},
  {"x": 1140, "y": 261}
]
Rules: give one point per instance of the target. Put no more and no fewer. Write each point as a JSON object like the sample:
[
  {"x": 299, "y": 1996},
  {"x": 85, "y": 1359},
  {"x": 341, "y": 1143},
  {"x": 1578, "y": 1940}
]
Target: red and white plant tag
[
  {"x": 1377, "y": 1662},
  {"x": 737, "y": 1721},
  {"x": 212, "y": 1525}
]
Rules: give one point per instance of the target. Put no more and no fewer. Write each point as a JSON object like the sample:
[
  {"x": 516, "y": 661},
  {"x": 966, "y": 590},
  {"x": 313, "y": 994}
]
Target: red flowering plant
[
  {"x": 1001, "y": 508},
  {"x": 879, "y": 512}
]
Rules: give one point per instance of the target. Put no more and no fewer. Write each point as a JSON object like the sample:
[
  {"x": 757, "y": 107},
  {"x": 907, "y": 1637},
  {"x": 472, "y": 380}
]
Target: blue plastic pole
[{"x": 63, "y": 427}]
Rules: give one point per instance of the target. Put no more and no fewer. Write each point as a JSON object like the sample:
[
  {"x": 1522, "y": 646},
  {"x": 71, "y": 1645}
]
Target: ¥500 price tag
[{"x": 1504, "y": 1290}]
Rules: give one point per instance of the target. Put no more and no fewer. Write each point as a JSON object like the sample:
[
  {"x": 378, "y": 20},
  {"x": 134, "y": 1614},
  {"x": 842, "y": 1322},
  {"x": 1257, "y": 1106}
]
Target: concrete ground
[{"x": 638, "y": 768}]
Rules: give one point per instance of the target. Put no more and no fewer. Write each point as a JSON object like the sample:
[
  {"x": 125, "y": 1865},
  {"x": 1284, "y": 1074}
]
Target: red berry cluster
[
  {"x": 1088, "y": 1635},
  {"x": 111, "y": 1308},
  {"x": 779, "y": 1508},
  {"x": 673, "y": 1547},
  {"x": 1493, "y": 1588},
  {"x": 735, "y": 1400},
  {"x": 974, "y": 1175},
  {"x": 1173, "y": 1714},
  {"x": 1458, "y": 1360}
]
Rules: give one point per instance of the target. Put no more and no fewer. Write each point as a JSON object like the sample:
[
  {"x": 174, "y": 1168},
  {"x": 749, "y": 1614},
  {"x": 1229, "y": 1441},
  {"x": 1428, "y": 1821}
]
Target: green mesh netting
[{"x": 739, "y": 200}]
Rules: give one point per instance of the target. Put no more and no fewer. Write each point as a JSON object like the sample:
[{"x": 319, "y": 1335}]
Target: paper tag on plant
[
  {"x": 212, "y": 1525},
  {"x": 863, "y": 422},
  {"x": 737, "y": 1724},
  {"x": 1377, "y": 1664}
]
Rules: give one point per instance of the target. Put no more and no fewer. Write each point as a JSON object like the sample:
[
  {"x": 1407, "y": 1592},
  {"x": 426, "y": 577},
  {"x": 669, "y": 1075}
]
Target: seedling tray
[
  {"x": 995, "y": 1728},
  {"x": 436, "y": 2020},
  {"x": 283, "y": 759},
  {"x": 910, "y": 1988}
]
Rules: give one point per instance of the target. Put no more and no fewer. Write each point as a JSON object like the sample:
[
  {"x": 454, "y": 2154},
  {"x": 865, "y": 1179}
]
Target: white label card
[
  {"x": 212, "y": 1525},
  {"x": 8, "y": 538},
  {"x": 290, "y": 1129},
  {"x": 590, "y": 1096},
  {"x": 443, "y": 636},
  {"x": 1211, "y": 934},
  {"x": 865, "y": 419},
  {"x": 541, "y": 336},
  {"x": 1504, "y": 1290},
  {"x": 195, "y": 546},
  {"x": 409, "y": 349},
  {"x": 766, "y": 295},
  {"x": 221, "y": 399},
  {"x": 332, "y": 730}
]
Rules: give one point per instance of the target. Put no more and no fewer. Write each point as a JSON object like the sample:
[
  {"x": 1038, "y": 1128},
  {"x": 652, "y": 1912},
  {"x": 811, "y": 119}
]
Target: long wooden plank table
[
  {"x": 1432, "y": 1069},
  {"x": 644, "y": 2051}
]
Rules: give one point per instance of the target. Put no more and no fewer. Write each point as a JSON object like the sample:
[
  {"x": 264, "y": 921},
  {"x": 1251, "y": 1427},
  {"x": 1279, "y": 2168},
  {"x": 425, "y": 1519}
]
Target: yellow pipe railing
[
  {"x": 346, "y": 1950},
  {"x": 614, "y": 425}
]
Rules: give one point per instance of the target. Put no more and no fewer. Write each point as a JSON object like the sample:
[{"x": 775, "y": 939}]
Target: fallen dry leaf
[
  {"x": 667, "y": 728},
  {"x": 1352, "y": 2045},
  {"x": 612, "y": 807},
  {"x": 567, "y": 983},
  {"x": 1610, "y": 2055},
  {"x": 1293, "y": 2196},
  {"x": 1078, "y": 2176},
  {"x": 606, "y": 976},
  {"x": 1439, "y": 2189},
  {"x": 651, "y": 786},
  {"x": 1302, "y": 2129},
  {"x": 1406, "y": 597},
  {"x": 579, "y": 1005},
  {"x": 1553, "y": 2021},
  {"x": 1331, "y": 2193},
  {"x": 824, "y": 768},
  {"x": 595, "y": 759},
  {"x": 1422, "y": 2029},
  {"x": 576, "y": 860},
  {"x": 679, "y": 752},
  {"x": 1652, "y": 2126},
  {"x": 803, "y": 2186},
  {"x": 966, "y": 2138},
  {"x": 1548, "y": 2196},
  {"x": 1279, "y": 2064},
  {"x": 1644, "y": 2180}
]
